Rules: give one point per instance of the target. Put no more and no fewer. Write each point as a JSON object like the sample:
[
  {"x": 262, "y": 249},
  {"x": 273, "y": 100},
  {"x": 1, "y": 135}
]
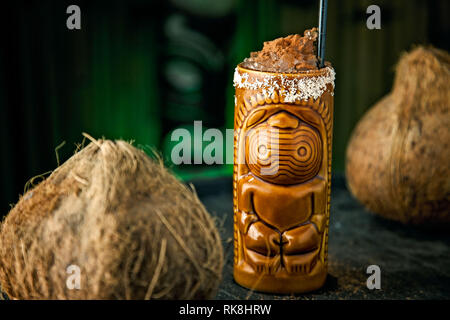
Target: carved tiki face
[
  {"x": 283, "y": 149},
  {"x": 282, "y": 177}
]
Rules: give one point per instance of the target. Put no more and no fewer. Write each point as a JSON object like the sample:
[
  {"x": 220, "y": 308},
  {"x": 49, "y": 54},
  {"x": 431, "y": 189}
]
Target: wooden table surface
[{"x": 414, "y": 263}]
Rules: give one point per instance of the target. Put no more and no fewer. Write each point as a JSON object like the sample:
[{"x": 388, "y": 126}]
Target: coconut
[
  {"x": 397, "y": 161},
  {"x": 110, "y": 223}
]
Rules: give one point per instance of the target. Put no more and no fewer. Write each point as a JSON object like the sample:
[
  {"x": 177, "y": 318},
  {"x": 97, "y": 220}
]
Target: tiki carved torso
[{"x": 281, "y": 185}]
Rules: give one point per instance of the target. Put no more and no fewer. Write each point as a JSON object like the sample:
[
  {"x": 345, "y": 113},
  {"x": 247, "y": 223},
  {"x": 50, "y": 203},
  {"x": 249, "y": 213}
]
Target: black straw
[{"x": 322, "y": 31}]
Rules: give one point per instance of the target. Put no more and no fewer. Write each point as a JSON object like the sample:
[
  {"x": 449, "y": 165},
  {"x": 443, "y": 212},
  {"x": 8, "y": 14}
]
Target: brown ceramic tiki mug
[{"x": 282, "y": 175}]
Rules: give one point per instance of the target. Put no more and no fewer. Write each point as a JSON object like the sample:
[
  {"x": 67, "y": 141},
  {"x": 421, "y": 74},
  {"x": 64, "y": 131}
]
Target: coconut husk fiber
[
  {"x": 131, "y": 227},
  {"x": 398, "y": 158}
]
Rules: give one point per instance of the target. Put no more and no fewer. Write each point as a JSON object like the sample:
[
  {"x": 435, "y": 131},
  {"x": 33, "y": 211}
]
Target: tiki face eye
[
  {"x": 284, "y": 156},
  {"x": 302, "y": 151},
  {"x": 263, "y": 152}
]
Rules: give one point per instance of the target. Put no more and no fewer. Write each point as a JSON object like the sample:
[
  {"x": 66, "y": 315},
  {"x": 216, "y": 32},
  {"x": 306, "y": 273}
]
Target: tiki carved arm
[
  {"x": 245, "y": 213},
  {"x": 318, "y": 217}
]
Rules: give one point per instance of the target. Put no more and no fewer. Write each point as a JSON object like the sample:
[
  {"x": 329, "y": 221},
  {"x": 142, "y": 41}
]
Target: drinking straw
[{"x": 322, "y": 31}]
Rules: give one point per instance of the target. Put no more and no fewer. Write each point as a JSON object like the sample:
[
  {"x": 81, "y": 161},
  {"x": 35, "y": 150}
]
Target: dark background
[{"x": 139, "y": 69}]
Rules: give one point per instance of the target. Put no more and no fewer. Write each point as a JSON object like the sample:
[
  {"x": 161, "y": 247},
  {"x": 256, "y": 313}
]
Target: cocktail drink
[{"x": 282, "y": 167}]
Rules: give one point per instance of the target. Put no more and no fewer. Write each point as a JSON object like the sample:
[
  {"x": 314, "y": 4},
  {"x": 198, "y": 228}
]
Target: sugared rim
[
  {"x": 312, "y": 73},
  {"x": 290, "y": 87}
]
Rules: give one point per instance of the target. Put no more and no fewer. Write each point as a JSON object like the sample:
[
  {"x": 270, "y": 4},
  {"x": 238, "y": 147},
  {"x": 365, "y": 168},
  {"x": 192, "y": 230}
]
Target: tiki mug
[{"x": 281, "y": 181}]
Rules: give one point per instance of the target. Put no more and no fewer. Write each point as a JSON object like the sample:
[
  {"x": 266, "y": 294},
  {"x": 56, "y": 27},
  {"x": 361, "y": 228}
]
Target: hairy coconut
[
  {"x": 120, "y": 221},
  {"x": 398, "y": 158}
]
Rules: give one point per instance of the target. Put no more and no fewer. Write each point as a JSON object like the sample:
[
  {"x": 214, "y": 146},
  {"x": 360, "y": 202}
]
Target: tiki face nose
[{"x": 283, "y": 120}]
